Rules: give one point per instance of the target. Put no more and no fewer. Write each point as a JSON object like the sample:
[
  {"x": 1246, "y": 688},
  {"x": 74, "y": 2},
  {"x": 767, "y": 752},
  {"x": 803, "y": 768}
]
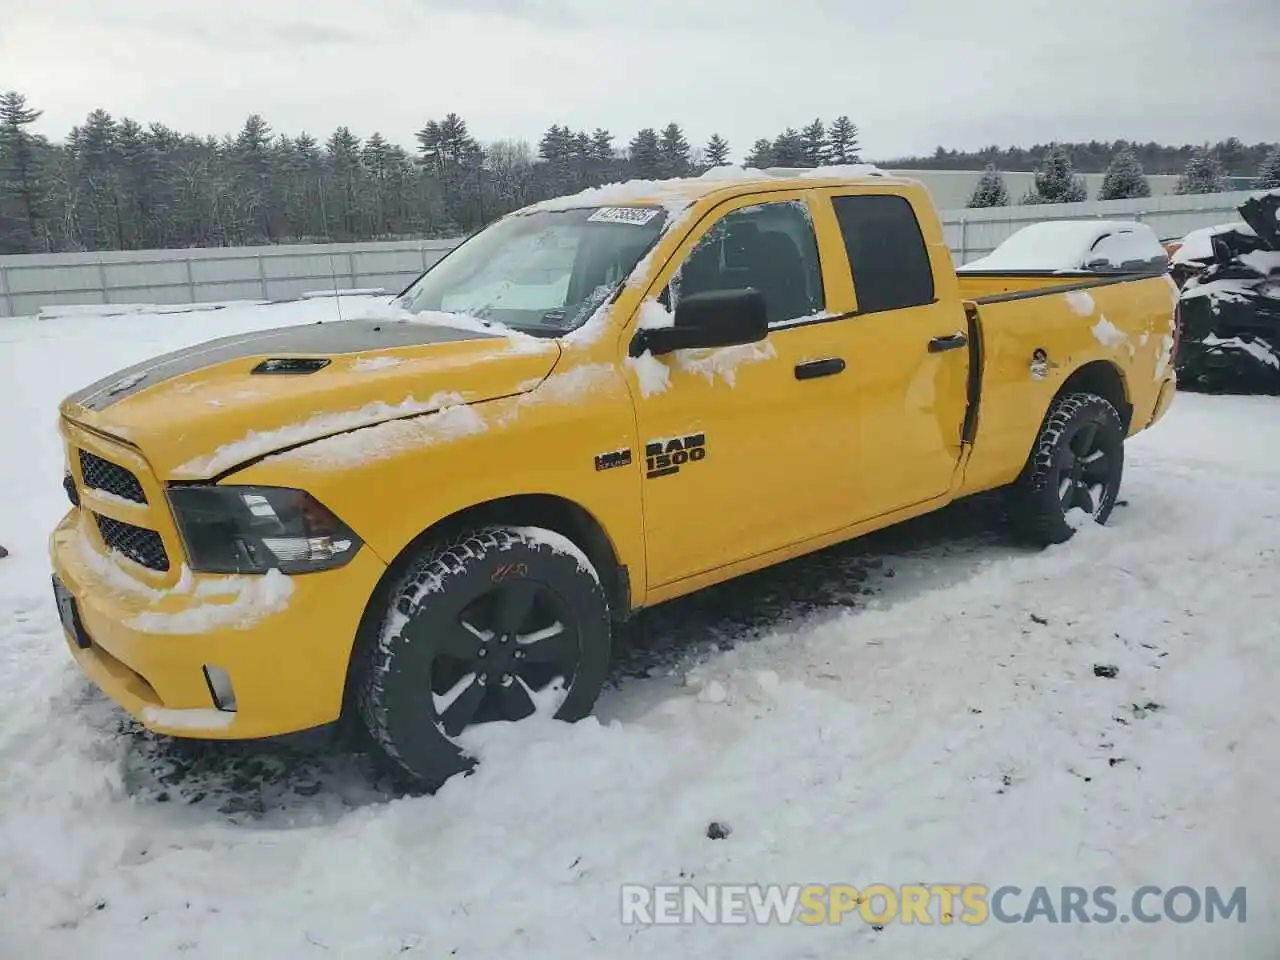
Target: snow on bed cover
[
  {"x": 1065, "y": 245},
  {"x": 842, "y": 747},
  {"x": 256, "y": 444}
]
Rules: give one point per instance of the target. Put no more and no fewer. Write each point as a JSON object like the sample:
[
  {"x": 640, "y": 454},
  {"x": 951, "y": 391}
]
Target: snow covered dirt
[{"x": 920, "y": 706}]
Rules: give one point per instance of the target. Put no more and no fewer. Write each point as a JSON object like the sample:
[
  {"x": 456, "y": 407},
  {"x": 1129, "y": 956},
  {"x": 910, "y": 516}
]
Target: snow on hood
[{"x": 197, "y": 413}]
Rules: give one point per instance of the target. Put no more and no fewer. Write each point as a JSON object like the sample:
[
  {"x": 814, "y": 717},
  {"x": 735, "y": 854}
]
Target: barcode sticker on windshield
[{"x": 636, "y": 215}]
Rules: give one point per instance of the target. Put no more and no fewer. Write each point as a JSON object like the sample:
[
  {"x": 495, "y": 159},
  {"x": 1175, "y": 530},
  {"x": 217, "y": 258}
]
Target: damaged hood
[{"x": 199, "y": 412}]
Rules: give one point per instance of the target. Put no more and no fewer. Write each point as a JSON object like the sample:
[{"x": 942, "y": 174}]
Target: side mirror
[{"x": 717, "y": 318}]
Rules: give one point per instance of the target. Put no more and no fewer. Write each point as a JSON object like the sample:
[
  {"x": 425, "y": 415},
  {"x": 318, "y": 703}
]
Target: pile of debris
[{"x": 1230, "y": 293}]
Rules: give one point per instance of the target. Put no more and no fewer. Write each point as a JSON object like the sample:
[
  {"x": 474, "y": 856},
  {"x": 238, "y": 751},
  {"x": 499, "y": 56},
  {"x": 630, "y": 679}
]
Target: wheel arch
[
  {"x": 1105, "y": 379},
  {"x": 564, "y": 516}
]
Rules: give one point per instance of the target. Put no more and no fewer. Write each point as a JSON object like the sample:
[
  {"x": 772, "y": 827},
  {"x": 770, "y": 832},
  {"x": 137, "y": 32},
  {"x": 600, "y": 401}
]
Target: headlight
[{"x": 256, "y": 529}]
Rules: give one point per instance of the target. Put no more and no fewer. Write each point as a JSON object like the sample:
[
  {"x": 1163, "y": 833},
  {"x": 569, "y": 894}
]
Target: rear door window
[{"x": 887, "y": 252}]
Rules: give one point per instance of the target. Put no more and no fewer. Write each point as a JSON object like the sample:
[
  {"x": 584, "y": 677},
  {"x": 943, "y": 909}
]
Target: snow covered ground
[{"x": 919, "y": 707}]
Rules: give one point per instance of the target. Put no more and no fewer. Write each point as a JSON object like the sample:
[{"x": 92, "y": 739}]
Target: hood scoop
[{"x": 292, "y": 365}]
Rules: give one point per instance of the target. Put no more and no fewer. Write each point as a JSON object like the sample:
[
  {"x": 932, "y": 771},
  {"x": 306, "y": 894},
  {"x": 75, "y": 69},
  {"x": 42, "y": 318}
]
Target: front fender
[{"x": 393, "y": 481}]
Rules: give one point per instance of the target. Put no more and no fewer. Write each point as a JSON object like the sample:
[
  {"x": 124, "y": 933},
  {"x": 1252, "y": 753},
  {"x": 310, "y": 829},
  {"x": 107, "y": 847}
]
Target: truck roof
[{"x": 678, "y": 193}]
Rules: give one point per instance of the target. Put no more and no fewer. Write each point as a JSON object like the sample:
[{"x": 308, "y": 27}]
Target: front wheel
[
  {"x": 505, "y": 623},
  {"x": 1073, "y": 474}
]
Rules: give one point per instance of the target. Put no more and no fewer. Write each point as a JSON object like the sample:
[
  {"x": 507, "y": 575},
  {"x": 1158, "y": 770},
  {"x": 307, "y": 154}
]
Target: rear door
[{"x": 907, "y": 352}]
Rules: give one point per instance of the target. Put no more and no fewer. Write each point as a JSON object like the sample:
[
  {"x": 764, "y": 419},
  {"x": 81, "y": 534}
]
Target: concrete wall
[{"x": 33, "y": 281}]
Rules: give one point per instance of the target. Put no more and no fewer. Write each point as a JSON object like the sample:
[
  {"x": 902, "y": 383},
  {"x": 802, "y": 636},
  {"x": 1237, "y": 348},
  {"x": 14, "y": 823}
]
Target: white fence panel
[
  {"x": 286, "y": 272},
  {"x": 975, "y": 233}
]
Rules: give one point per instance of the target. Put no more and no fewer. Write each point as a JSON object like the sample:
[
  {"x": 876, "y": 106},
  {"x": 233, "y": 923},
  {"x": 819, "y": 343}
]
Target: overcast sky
[{"x": 911, "y": 73}]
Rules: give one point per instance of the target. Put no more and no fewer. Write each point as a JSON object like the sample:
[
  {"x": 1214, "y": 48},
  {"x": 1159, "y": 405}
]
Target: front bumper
[{"x": 284, "y": 642}]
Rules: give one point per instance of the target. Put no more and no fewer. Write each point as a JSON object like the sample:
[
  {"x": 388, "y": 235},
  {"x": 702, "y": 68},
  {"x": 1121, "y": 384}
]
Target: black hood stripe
[{"x": 338, "y": 337}]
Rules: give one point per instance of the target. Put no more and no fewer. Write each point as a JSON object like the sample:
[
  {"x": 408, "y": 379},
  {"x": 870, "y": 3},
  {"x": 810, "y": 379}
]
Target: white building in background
[{"x": 952, "y": 189}]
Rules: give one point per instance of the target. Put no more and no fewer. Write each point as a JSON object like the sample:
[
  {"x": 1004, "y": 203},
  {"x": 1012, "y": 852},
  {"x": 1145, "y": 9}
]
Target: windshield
[{"x": 542, "y": 272}]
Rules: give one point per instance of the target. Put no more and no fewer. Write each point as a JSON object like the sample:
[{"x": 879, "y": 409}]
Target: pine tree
[
  {"x": 379, "y": 170},
  {"x": 1056, "y": 181},
  {"x": 717, "y": 151},
  {"x": 20, "y": 180},
  {"x": 991, "y": 190},
  {"x": 761, "y": 155},
  {"x": 602, "y": 145},
  {"x": 1124, "y": 178},
  {"x": 1231, "y": 154},
  {"x": 1269, "y": 172},
  {"x": 556, "y": 151},
  {"x": 842, "y": 142},
  {"x": 674, "y": 149},
  {"x": 645, "y": 155},
  {"x": 1203, "y": 175},
  {"x": 814, "y": 144},
  {"x": 788, "y": 149}
]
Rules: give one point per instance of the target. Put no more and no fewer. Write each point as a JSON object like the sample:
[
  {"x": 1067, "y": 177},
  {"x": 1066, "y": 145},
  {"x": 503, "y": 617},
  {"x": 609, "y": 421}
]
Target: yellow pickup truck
[{"x": 428, "y": 519}]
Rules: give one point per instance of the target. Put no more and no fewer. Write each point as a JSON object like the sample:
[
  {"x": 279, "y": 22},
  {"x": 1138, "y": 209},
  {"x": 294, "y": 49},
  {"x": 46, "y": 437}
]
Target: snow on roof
[
  {"x": 1059, "y": 245},
  {"x": 677, "y": 193}
]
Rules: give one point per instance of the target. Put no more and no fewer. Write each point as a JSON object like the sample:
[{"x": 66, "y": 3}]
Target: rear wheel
[
  {"x": 503, "y": 624},
  {"x": 1074, "y": 473}
]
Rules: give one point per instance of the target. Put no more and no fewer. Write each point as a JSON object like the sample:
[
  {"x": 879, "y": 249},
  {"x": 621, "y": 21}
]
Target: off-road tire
[
  {"x": 1036, "y": 505},
  {"x": 394, "y": 681}
]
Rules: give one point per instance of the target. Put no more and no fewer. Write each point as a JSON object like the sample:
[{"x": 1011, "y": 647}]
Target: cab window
[
  {"x": 769, "y": 246},
  {"x": 887, "y": 252}
]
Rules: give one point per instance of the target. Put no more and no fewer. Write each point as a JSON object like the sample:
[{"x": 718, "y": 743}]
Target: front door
[{"x": 735, "y": 439}]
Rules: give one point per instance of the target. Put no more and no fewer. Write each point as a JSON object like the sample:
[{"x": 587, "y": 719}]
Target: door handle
[
  {"x": 812, "y": 369},
  {"x": 952, "y": 342}
]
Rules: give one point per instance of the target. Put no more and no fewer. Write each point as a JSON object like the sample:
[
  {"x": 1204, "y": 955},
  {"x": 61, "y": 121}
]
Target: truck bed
[
  {"x": 1031, "y": 330},
  {"x": 983, "y": 286}
]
